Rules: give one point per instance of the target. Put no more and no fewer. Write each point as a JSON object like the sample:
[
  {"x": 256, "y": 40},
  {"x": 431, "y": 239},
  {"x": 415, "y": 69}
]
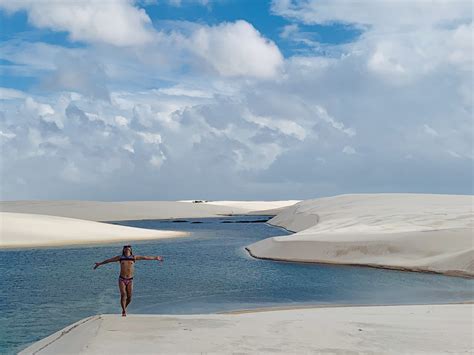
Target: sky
[{"x": 234, "y": 99}]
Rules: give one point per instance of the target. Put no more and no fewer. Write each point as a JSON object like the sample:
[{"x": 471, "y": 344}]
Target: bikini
[{"x": 126, "y": 280}]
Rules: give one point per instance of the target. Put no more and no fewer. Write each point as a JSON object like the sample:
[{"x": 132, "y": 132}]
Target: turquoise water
[{"x": 44, "y": 290}]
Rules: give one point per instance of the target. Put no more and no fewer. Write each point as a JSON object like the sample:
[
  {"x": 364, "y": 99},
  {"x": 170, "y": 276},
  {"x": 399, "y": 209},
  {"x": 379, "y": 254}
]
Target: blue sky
[
  {"x": 234, "y": 99},
  {"x": 166, "y": 16}
]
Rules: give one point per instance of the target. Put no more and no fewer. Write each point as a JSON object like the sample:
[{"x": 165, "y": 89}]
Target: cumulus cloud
[
  {"x": 216, "y": 111},
  {"x": 399, "y": 15},
  {"x": 237, "y": 49},
  {"x": 227, "y": 50},
  {"x": 115, "y": 22}
]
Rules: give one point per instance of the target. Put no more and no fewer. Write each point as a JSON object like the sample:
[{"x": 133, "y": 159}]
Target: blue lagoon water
[{"x": 44, "y": 290}]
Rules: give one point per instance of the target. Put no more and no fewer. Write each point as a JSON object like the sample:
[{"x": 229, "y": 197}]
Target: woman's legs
[
  {"x": 123, "y": 297},
  {"x": 129, "y": 293}
]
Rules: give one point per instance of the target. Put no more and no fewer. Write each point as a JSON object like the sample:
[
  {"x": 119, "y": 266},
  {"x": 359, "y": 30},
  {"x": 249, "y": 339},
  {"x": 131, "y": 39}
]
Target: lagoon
[{"x": 45, "y": 289}]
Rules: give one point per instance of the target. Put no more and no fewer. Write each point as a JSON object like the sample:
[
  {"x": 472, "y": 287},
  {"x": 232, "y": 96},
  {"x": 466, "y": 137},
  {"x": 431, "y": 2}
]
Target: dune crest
[
  {"x": 419, "y": 232},
  {"x": 19, "y": 230}
]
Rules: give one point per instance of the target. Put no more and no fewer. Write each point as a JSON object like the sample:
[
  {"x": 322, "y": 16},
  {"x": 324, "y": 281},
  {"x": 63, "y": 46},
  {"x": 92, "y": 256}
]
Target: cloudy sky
[{"x": 234, "y": 99}]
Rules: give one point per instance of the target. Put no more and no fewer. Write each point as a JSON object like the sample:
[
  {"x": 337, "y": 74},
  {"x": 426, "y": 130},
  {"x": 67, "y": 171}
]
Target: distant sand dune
[
  {"x": 30, "y": 230},
  {"x": 137, "y": 210},
  {"x": 119, "y": 211},
  {"x": 420, "y": 232},
  {"x": 32, "y": 223}
]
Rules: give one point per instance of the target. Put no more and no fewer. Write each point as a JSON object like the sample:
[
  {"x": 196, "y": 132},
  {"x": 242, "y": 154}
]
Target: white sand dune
[
  {"x": 421, "y": 232},
  {"x": 256, "y": 206},
  {"x": 30, "y": 230},
  {"x": 267, "y": 208},
  {"x": 390, "y": 329},
  {"x": 135, "y": 210},
  {"x": 20, "y": 228},
  {"x": 118, "y": 211}
]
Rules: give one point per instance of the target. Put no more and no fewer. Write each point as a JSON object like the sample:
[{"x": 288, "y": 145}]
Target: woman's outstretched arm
[
  {"x": 159, "y": 258},
  {"x": 111, "y": 260}
]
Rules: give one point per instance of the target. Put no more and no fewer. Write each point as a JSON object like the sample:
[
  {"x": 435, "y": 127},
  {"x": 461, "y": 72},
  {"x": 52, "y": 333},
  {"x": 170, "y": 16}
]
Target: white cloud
[
  {"x": 289, "y": 30},
  {"x": 182, "y": 91},
  {"x": 40, "y": 109},
  {"x": 7, "y": 135},
  {"x": 179, "y": 3},
  {"x": 286, "y": 127},
  {"x": 430, "y": 130},
  {"x": 115, "y": 22},
  {"x": 260, "y": 158},
  {"x": 382, "y": 14},
  {"x": 150, "y": 138},
  {"x": 401, "y": 94},
  {"x": 9, "y": 94},
  {"x": 322, "y": 114},
  {"x": 121, "y": 121},
  {"x": 230, "y": 49},
  {"x": 453, "y": 154},
  {"x": 402, "y": 39},
  {"x": 237, "y": 49},
  {"x": 157, "y": 160},
  {"x": 348, "y": 150}
]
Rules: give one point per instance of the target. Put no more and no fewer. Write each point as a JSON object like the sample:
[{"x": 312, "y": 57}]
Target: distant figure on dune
[{"x": 125, "y": 281}]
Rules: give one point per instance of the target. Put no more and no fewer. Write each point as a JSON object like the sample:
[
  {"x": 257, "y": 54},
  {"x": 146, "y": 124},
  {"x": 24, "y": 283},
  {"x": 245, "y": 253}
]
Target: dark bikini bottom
[{"x": 125, "y": 280}]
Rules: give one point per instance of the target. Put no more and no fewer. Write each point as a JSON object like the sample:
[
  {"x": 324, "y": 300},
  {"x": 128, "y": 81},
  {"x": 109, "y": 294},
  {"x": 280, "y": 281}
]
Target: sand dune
[
  {"x": 423, "y": 232},
  {"x": 135, "y": 210},
  {"x": 29, "y": 230},
  {"x": 389, "y": 329},
  {"x": 20, "y": 227},
  {"x": 256, "y": 206},
  {"x": 118, "y": 211}
]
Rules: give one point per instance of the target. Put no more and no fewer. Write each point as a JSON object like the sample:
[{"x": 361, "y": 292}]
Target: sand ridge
[
  {"x": 22, "y": 230},
  {"x": 58, "y": 223},
  {"x": 416, "y": 232}
]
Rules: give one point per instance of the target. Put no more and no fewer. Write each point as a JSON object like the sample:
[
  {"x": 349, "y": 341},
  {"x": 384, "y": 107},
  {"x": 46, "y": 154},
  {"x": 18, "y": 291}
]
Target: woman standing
[{"x": 125, "y": 281}]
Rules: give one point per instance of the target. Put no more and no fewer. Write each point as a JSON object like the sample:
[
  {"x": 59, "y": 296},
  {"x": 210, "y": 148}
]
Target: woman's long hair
[{"x": 127, "y": 246}]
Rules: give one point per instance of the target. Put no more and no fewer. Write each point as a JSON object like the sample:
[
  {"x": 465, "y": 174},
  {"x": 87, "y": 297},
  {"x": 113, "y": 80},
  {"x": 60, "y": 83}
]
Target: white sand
[
  {"x": 389, "y": 329},
  {"x": 256, "y": 206},
  {"x": 423, "y": 232},
  {"x": 136, "y": 210},
  {"x": 29, "y": 230},
  {"x": 20, "y": 227},
  {"x": 118, "y": 211}
]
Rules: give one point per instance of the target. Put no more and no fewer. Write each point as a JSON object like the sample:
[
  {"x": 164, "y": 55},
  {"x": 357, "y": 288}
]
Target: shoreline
[
  {"x": 85, "y": 244},
  {"x": 411, "y": 232},
  {"x": 23, "y": 230},
  {"x": 373, "y": 266},
  {"x": 337, "y": 305},
  {"x": 52, "y": 224}
]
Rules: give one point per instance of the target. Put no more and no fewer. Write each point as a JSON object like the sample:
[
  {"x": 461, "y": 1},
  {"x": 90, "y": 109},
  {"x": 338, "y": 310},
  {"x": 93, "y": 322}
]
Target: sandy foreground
[
  {"x": 420, "y": 232},
  {"x": 57, "y": 223},
  {"x": 388, "y": 329}
]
